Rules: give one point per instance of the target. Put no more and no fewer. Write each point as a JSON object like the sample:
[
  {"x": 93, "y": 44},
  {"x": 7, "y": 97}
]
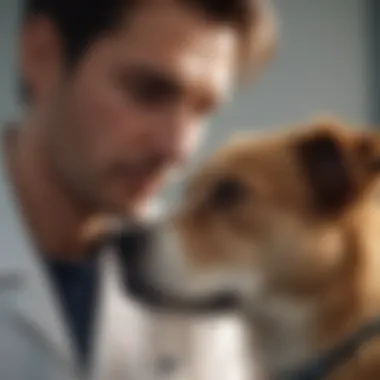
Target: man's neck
[{"x": 60, "y": 227}]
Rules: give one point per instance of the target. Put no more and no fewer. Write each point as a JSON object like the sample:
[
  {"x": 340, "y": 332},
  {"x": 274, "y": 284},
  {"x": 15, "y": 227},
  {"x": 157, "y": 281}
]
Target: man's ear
[{"x": 325, "y": 164}]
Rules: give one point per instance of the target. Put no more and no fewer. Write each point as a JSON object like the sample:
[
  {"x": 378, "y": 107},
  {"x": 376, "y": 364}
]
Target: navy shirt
[{"x": 77, "y": 284}]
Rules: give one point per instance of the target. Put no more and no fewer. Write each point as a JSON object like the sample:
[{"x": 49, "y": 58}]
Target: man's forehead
[{"x": 186, "y": 46}]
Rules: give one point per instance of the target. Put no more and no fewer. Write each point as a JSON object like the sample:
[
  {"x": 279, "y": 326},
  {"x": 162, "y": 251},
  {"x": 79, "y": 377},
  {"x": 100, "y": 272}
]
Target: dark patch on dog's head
[{"x": 327, "y": 171}]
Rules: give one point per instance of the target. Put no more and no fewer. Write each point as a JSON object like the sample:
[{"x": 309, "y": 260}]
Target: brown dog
[{"x": 290, "y": 224}]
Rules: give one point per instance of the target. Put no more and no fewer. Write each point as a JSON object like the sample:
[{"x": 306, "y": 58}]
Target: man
[{"x": 115, "y": 94}]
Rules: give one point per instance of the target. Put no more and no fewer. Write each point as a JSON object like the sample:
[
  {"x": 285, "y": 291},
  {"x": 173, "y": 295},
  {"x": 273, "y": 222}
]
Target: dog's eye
[{"x": 227, "y": 193}]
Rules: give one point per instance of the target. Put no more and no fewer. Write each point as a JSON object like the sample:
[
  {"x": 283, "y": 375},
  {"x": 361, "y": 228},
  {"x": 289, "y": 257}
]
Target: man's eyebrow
[{"x": 140, "y": 72}]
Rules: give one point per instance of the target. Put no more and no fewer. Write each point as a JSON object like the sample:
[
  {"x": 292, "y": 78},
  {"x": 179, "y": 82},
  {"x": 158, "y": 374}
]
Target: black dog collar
[{"x": 322, "y": 366}]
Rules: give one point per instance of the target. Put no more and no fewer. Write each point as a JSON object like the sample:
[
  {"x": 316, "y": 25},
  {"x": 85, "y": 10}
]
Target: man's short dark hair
[{"x": 81, "y": 22}]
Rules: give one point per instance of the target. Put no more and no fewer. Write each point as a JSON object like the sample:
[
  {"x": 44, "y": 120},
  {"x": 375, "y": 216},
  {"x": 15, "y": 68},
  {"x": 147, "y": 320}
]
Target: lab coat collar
[{"x": 35, "y": 305}]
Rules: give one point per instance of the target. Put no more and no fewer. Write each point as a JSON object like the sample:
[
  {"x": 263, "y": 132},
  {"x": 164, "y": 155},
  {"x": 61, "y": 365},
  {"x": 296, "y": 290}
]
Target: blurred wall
[
  {"x": 322, "y": 65},
  {"x": 9, "y": 12}
]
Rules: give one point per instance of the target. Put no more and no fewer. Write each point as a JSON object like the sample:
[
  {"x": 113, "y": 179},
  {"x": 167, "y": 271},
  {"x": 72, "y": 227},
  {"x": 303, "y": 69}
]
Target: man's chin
[
  {"x": 123, "y": 204},
  {"x": 141, "y": 209}
]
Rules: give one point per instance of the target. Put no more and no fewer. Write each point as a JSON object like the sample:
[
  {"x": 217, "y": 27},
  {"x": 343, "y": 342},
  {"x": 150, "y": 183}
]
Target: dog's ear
[
  {"x": 367, "y": 152},
  {"x": 338, "y": 166}
]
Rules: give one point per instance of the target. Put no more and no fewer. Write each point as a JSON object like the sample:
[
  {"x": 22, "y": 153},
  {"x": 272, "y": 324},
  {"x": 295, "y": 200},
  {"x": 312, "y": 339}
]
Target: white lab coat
[{"x": 131, "y": 343}]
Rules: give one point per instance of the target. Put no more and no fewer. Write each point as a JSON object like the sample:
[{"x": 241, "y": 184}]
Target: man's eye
[
  {"x": 227, "y": 193},
  {"x": 150, "y": 91}
]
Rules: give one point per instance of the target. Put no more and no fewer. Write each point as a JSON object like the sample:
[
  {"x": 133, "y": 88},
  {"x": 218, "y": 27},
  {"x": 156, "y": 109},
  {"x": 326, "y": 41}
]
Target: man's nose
[{"x": 174, "y": 138}]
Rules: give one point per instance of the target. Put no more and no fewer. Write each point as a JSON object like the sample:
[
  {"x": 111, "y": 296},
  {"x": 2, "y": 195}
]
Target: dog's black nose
[
  {"x": 132, "y": 248},
  {"x": 132, "y": 244}
]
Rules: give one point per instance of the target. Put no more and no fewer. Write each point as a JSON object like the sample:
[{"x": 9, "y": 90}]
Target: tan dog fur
[{"x": 309, "y": 265}]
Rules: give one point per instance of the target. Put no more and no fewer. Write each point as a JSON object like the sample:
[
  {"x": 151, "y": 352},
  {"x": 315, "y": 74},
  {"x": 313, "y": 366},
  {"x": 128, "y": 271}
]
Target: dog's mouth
[
  {"x": 132, "y": 250},
  {"x": 149, "y": 295}
]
